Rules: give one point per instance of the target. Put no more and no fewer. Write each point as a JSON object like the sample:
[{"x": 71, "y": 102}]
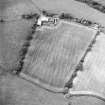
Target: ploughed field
[{"x": 55, "y": 53}]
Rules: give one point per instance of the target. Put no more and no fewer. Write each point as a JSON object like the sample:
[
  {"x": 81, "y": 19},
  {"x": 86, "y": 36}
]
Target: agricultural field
[{"x": 52, "y": 52}]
